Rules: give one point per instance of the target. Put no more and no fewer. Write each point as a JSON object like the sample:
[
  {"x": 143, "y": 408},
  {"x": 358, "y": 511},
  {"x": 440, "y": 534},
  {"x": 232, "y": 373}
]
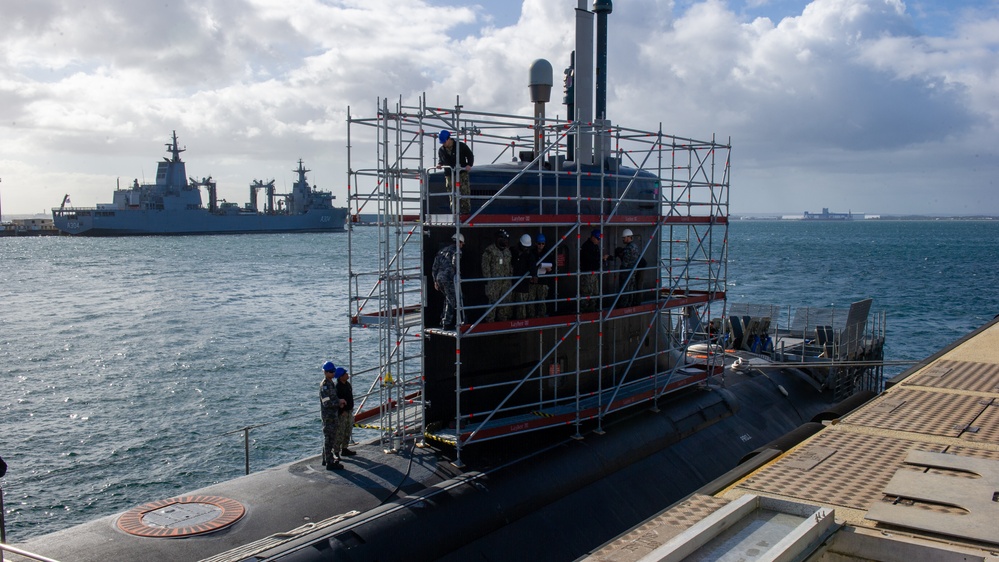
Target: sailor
[
  {"x": 329, "y": 409},
  {"x": 589, "y": 268},
  {"x": 456, "y": 154},
  {"x": 444, "y": 270},
  {"x": 629, "y": 255},
  {"x": 525, "y": 266},
  {"x": 345, "y": 425},
  {"x": 497, "y": 267},
  {"x": 538, "y": 290}
]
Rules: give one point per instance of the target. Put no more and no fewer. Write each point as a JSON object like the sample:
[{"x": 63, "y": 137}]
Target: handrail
[
  {"x": 4, "y": 547},
  {"x": 224, "y": 434}
]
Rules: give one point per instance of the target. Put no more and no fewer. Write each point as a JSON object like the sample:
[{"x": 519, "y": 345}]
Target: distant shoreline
[
  {"x": 750, "y": 217},
  {"x": 878, "y": 218}
]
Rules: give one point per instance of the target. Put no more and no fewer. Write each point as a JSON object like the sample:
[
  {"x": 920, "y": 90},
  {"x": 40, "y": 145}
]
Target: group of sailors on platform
[
  {"x": 514, "y": 283},
  {"x": 499, "y": 264}
]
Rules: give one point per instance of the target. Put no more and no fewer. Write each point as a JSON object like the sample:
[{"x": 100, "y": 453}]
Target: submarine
[{"x": 543, "y": 422}]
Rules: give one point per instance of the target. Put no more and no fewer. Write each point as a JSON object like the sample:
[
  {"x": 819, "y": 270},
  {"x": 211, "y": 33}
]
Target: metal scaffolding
[{"x": 572, "y": 357}]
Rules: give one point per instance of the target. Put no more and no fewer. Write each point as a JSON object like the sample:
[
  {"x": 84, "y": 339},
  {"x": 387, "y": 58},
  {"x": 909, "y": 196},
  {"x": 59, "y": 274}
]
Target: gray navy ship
[{"x": 173, "y": 205}]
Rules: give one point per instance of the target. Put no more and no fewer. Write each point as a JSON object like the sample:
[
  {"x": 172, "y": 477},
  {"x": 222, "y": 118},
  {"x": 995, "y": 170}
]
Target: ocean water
[{"x": 128, "y": 366}]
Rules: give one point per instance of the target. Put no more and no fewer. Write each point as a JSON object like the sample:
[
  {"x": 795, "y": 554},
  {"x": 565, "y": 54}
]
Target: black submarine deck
[{"x": 416, "y": 502}]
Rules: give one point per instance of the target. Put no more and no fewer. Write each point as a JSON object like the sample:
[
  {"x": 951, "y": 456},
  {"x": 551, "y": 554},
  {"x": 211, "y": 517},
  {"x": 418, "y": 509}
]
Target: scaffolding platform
[
  {"x": 409, "y": 316},
  {"x": 567, "y": 320},
  {"x": 586, "y": 408},
  {"x": 549, "y": 354}
]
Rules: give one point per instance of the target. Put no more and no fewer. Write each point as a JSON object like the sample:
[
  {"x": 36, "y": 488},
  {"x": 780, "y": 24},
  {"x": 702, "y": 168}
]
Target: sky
[{"x": 871, "y": 106}]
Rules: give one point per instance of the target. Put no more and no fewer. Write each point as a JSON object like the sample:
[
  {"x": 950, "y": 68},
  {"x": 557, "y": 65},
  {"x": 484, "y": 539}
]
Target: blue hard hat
[
  {"x": 340, "y": 371},
  {"x": 329, "y": 367},
  {"x": 595, "y": 233},
  {"x": 540, "y": 239},
  {"x": 443, "y": 136}
]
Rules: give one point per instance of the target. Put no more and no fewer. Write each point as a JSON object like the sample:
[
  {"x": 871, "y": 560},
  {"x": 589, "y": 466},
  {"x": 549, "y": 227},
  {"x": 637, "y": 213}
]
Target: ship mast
[{"x": 173, "y": 149}]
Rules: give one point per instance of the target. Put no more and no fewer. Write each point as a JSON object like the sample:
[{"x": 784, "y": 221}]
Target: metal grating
[
  {"x": 852, "y": 477},
  {"x": 973, "y": 452},
  {"x": 927, "y": 412},
  {"x": 961, "y": 375},
  {"x": 985, "y": 428}
]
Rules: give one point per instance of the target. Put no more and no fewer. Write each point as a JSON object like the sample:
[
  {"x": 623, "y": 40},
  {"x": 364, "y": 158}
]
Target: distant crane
[
  {"x": 269, "y": 186},
  {"x": 209, "y": 184}
]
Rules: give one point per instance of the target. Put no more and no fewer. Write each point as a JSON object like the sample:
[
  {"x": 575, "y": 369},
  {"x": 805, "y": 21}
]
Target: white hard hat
[
  {"x": 525, "y": 240},
  {"x": 627, "y": 232},
  {"x": 459, "y": 237}
]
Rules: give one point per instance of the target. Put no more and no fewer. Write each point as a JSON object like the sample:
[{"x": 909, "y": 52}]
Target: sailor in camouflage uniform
[
  {"x": 444, "y": 270},
  {"x": 629, "y": 255},
  {"x": 345, "y": 425},
  {"x": 526, "y": 268},
  {"x": 497, "y": 261},
  {"x": 537, "y": 292},
  {"x": 590, "y": 258},
  {"x": 329, "y": 408}
]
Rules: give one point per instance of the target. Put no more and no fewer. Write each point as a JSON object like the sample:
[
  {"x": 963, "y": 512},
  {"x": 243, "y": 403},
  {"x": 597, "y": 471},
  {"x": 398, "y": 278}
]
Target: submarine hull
[{"x": 562, "y": 502}]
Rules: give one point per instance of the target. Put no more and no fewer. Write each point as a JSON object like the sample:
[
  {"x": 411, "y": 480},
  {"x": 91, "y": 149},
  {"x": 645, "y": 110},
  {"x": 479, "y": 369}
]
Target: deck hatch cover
[
  {"x": 810, "y": 457},
  {"x": 181, "y": 517},
  {"x": 973, "y": 497}
]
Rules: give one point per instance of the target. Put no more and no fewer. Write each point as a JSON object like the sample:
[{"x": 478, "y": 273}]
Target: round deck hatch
[{"x": 181, "y": 517}]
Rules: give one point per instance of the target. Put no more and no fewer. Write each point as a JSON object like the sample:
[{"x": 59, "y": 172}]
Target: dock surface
[{"x": 911, "y": 475}]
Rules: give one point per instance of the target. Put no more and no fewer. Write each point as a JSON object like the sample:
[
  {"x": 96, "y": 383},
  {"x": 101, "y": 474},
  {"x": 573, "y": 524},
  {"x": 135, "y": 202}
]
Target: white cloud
[{"x": 845, "y": 97}]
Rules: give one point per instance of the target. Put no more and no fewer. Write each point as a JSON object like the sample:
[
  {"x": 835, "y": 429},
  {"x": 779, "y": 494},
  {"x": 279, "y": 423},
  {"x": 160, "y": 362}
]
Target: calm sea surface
[{"x": 125, "y": 362}]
